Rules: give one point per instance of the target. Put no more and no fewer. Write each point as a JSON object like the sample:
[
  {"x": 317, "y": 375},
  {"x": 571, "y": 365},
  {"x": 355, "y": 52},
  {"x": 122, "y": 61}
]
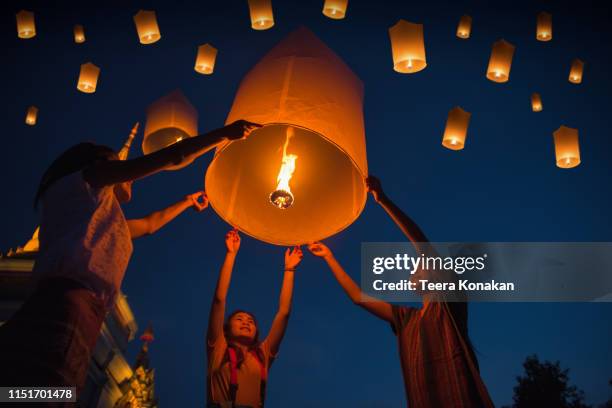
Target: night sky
[{"x": 504, "y": 186}]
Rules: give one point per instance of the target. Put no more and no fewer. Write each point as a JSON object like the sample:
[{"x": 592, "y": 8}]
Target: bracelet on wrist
[{"x": 290, "y": 269}]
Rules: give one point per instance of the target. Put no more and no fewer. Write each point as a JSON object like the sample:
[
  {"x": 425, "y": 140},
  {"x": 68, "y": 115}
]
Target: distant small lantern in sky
[
  {"x": 262, "y": 16},
  {"x": 536, "y": 102},
  {"x": 464, "y": 28},
  {"x": 79, "y": 34},
  {"x": 576, "y": 71},
  {"x": 146, "y": 26},
  {"x": 205, "y": 60},
  {"x": 26, "y": 27},
  {"x": 500, "y": 61},
  {"x": 335, "y": 9},
  {"x": 567, "y": 150},
  {"x": 408, "y": 47},
  {"x": 31, "y": 116},
  {"x": 456, "y": 128},
  {"x": 544, "y": 27},
  {"x": 88, "y": 78}
]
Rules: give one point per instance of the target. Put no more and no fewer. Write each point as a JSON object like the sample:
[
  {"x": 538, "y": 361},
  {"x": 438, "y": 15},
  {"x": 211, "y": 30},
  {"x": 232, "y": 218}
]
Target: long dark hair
[{"x": 76, "y": 158}]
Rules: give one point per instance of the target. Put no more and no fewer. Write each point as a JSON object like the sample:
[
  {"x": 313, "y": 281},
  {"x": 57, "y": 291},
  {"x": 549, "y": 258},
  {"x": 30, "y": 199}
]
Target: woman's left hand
[
  {"x": 293, "y": 257},
  {"x": 199, "y": 200}
]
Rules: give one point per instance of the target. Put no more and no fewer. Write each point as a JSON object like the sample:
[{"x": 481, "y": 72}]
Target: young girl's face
[{"x": 242, "y": 326}]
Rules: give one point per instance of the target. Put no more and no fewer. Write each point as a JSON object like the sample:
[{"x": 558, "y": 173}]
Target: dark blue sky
[{"x": 503, "y": 187}]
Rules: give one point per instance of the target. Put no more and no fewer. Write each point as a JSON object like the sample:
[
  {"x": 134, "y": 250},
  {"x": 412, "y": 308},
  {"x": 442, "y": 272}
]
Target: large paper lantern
[
  {"x": 262, "y": 17},
  {"x": 146, "y": 26},
  {"x": 205, "y": 60},
  {"x": 31, "y": 115},
  {"x": 300, "y": 178},
  {"x": 456, "y": 128},
  {"x": 170, "y": 119},
  {"x": 544, "y": 27},
  {"x": 567, "y": 150},
  {"x": 500, "y": 61},
  {"x": 464, "y": 28},
  {"x": 408, "y": 47},
  {"x": 88, "y": 78},
  {"x": 576, "y": 71},
  {"x": 536, "y": 102},
  {"x": 335, "y": 9},
  {"x": 79, "y": 34},
  {"x": 26, "y": 28}
]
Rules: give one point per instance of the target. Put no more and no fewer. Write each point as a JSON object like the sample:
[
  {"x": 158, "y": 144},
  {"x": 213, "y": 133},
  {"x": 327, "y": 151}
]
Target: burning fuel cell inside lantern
[{"x": 282, "y": 197}]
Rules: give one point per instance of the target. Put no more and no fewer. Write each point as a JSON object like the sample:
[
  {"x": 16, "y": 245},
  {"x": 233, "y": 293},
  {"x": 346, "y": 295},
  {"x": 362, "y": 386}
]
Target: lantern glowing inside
[
  {"x": 500, "y": 61},
  {"x": 408, "y": 47},
  {"x": 262, "y": 17},
  {"x": 544, "y": 27},
  {"x": 567, "y": 150},
  {"x": 536, "y": 102},
  {"x": 31, "y": 116},
  {"x": 464, "y": 28},
  {"x": 335, "y": 9},
  {"x": 26, "y": 27},
  {"x": 170, "y": 119},
  {"x": 146, "y": 26},
  {"x": 311, "y": 105},
  {"x": 205, "y": 61},
  {"x": 79, "y": 34},
  {"x": 456, "y": 129},
  {"x": 576, "y": 71},
  {"x": 88, "y": 78}
]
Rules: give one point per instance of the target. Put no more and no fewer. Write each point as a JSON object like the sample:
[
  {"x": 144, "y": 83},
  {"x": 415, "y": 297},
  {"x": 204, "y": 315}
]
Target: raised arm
[
  {"x": 376, "y": 307},
  {"x": 279, "y": 325},
  {"x": 217, "y": 309}
]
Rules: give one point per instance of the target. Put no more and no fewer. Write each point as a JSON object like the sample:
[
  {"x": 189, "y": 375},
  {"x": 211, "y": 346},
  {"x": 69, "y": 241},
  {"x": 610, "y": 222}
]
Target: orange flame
[{"x": 282, "y": 196}]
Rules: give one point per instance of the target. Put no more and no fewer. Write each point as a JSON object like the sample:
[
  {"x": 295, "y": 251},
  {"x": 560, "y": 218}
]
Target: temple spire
[{"x": 125, "y": 150}]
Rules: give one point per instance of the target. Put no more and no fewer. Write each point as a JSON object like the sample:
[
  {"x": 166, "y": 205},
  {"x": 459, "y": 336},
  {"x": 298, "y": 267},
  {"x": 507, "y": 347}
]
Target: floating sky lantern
[
  {"x": 311, "y": 106},
  {"x": 205, "y": 60},
  {"x": 88, "y": 78},
  {"x": 262, "y": 17},
  {"x": 26, "y": 28},
  {"x": 567, "y": 150},
  {"x": 31, "y": 116},
  {"x": 456, "y": 128},
  {"x": 170, "y": 119},
  {"x": 146, "y": 26},
  {"x": 500, "y": 61},
  {"x": 536, "y": 102},
  {"x": 544, "y": 27},
  {"x": 79, "y": 34},
  {"x": 576, "y": 71},
  {"x": 335, "y": 9},
  {"x": 408, "y": 47},
  {"x": 464, "y": 28}
]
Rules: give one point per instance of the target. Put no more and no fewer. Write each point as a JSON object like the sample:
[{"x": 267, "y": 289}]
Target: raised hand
[
  {"x": 293, "y": 257},
  {"x": 199, "y": 200},
  {"x": 375, "y": 188},
  {"x": 240, "y": 129},
  {"x": 319, "y": 249},
  {"x": 232, "y": 241}
]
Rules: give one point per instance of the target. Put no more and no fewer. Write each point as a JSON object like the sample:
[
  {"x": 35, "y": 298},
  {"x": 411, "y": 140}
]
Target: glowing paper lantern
[
  {"x": 88, "y": 78},
  {"x": 576, "y": 71},
  {"x": 25, "y": 24},
  {"x": 205, "y": 61},
  {"x": 500, "y": 61},
  {"x": 408, "y": 47},
  {"x": 170, "y": 119},
  {"x": 464, "y": 28},
  {"x": 567, "y": 150},
  {"x": 79, "y": 34},
  {"x": 456, "y": 129},
  {"x": 262, "y": 17},
  {"x": 146, "y": 26},
  {"x": 31, "y": 116},
  {"x": 544, "y": 27},
  {"x": 311, "y": 104},
  {"x": 536, "y": 102},
  {"x": 335, "y": 9}
]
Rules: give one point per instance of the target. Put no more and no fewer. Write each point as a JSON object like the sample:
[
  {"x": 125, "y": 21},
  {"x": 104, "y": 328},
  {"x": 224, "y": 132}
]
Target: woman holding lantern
[
  {"x": 238, "y": 361},
  {"x": 438, "y": 363},
  {"x": 85, "y": 246}
]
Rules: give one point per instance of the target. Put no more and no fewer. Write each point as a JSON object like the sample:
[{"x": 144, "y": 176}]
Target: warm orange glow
[
  {"x": 544, "y": 27},
  {"x": 464, "y": 28},
  {"x": 31, "y": 116},
  {"x": 26, "y": 28},
  {"x": 262, "y": 16},
  {"x": 335, "y": 9},
  {"x": 79, "y": 34},
  {"x": 576, "y": 71},
  {"x": 282, "y": 197},
  {"x": 500, "y": 61},
  {"x": 408, "y": 47},
  {"x": 146, "y": 26},
  {"x": 205, "y": 61},
  {"x": 536, "y": 102},
  {"x": 456, "y": 129},
  {"x": 88, "y": 78},
  {"x": 567, "y": 149}
]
